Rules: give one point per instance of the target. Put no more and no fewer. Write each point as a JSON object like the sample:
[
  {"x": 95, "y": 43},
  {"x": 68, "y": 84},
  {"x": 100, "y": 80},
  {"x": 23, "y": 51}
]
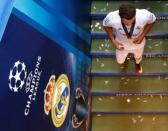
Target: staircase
[{"x": 121, "y": 100}]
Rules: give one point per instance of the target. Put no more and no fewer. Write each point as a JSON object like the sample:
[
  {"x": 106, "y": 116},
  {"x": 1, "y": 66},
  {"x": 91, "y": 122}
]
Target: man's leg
[
  {"x": 121, "y": 56},
  {"x": 138, "y": 54},
  {"x": 138, "y": 58}
]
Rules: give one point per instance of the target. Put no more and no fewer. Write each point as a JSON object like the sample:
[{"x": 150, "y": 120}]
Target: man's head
[{"x": 127, "y": 13}]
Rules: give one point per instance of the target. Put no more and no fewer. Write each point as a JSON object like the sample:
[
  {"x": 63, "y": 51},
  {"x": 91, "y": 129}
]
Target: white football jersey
[{"x": 142, "y": 17}]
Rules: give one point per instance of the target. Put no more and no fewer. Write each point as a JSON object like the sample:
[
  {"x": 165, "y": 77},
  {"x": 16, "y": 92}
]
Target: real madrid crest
[{"x": 56, "y": 98}]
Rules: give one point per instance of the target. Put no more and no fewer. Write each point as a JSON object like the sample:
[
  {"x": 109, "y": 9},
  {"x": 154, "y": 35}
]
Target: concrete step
[
  {"x": 130, "y": 103},
  {"x": 152, "y": 45},
  {"x": 131, "y": 122},
  {"x": 129, "y": 84},
  {"x": 109, "y": 64},
  {"x": 107, "y": 6},
  {"x": 160, "y": 26}
]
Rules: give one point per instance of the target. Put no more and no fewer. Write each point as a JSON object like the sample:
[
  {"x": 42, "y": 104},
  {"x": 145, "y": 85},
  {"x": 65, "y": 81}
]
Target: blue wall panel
[
  {"x": 5, "y": 11},
  {"x": 55, "y": 24}
]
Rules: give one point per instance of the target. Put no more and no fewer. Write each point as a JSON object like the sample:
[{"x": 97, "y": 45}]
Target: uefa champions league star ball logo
[{"x": 17, "y": 76}]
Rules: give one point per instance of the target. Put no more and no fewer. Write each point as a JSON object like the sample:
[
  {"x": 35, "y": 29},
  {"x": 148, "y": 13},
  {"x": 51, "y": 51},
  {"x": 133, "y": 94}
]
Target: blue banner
[
  {"x": 37, "y": 81},
  {"x": 44, "y": 64}
]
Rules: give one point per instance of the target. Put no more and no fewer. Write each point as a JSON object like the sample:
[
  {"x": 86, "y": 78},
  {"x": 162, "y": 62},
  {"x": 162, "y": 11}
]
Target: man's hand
[
  {"x": 139, "y": 39},
  {"x": 147, "y": 28},
  {"x": 118, "y": 45}
]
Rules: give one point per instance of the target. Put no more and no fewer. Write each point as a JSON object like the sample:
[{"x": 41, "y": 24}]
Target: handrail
[
  {"x": 158, "y": 35},
  {"x": 129, "y": 113},
  {"x": 128, "y": 74},
  {"x": 102, "y": 15},
  {"x": 98, "y": 93},
  {"x": 112, "y": 54}
]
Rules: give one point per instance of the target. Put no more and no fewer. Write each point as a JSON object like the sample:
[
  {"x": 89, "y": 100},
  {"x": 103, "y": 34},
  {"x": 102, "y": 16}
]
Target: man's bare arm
[
  {"x": 147, "y": 28},
  {"x": 109, "y": 32}
]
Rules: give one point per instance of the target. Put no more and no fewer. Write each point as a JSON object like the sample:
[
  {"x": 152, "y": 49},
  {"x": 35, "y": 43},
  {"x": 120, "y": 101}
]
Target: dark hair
[{"x": 127, "y": 11}]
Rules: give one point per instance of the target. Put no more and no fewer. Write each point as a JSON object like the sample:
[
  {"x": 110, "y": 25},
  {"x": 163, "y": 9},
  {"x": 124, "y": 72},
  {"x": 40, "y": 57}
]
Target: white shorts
[
  {"x": 129, "y": 47},
  {"x": 121, "y": 55}
]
